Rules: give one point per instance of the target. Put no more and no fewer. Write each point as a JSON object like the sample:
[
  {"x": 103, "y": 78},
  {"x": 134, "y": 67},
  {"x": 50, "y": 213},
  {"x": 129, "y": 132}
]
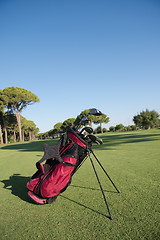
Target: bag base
[{"x": 39, "y": 200}]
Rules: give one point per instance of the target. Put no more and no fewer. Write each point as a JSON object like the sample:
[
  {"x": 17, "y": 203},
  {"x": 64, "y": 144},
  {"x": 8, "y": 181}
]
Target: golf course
[{"x": 132, "y": 161}]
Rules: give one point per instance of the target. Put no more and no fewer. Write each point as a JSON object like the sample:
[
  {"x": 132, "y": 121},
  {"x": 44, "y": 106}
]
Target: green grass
[{"x": 131, "y": 160}]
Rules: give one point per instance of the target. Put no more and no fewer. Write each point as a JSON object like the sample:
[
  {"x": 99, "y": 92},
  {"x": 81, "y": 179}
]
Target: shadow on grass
[
  {"x": 82, "y": 205},
  {"x": 109, "y": 141},
  {"x": 130, "y": 138},
  {"x": 29, "y": 146},
  {"x": 90, "y": 188},
  {"x": 17, "y": 185}
]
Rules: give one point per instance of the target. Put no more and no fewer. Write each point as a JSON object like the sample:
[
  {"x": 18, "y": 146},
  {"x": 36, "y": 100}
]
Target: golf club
[
  {"x": 87, "y": 129},
  {"x": 93, "y": 111},
  {"x": 95, "y": 139}
]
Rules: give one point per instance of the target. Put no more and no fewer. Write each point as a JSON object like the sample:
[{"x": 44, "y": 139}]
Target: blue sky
[{"x": 76, "y": 55}]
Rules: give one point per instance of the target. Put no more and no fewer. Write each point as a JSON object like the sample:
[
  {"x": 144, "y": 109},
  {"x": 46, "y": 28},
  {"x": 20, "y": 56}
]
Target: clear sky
[{"x": 79, "y": 54}]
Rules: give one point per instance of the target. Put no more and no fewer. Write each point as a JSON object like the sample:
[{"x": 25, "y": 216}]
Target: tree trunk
[
  {"x": 1, "y": 137},
  {"x": 14, "y": 136},
  {"x": 30, "y": 136},
  {"x": 90, "y": 123},
  {"x": 23, "y": 136},
  {"x": 101, "y": 128},
  {"x": 5, "y": 129},
  {"x": 5, "y": 132},
  {"x": 19, "y": 125}
]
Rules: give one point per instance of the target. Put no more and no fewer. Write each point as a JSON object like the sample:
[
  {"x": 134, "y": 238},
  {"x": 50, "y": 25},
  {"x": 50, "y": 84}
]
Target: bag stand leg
[
  {"x": 104, "y": 171},
  {"x": 89, "y": 150}
]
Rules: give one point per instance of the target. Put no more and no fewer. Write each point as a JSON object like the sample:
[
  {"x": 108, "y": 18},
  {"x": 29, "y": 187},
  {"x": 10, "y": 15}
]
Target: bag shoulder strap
[{"x": 51, "y": 152}]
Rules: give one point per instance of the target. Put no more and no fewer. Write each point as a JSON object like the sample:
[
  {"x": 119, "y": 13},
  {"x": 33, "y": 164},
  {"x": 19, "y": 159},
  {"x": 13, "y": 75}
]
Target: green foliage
[
  {"x": 128, "y": 128},
  {"x": 29, "y": 128},
  {"x": 81, "y": 115},
  {"x": 105, "y": 130},
  {"x": 133, "y": 127},
  {"x": 57, "y": 130},
  {"x": 98, "y": 130},
  {"x": 147, "y": 119},
  {"x": 11, "y": 120},
  {"x": 101, "y": 119},
  {"x": 12, "y": 128},
  {"x": 58, "y": 126},
  {"x": 92, "y": 119},
  {"x": 3, "y": 100},
  {"x": 14, "y": 99},
  {"x": 67, "y": 123},
  {"x": 119, "y": 127},
  {"x": 112, "y": 129},
  {"x": 18, "y": 98}
]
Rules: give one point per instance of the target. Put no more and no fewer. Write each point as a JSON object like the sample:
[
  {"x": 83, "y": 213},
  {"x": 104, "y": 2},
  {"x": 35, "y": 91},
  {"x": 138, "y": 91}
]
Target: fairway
[{"x": 131, "y": 159}]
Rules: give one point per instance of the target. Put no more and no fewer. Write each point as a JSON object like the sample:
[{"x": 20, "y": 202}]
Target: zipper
[{"x": 44, "y": 178}]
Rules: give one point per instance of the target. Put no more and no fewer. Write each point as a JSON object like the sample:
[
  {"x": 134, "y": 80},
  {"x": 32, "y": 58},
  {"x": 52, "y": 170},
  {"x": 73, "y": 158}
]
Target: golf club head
[
  {"x": 87, "y": 129},
  {"x": 84, "y": 119},
  {"x": 95, "y": 139},
  {"x": 95, "y": 111}
]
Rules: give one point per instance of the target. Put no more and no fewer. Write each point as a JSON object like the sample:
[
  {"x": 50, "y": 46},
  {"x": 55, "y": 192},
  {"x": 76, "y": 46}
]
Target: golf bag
[{"x": 62, "y": 161}]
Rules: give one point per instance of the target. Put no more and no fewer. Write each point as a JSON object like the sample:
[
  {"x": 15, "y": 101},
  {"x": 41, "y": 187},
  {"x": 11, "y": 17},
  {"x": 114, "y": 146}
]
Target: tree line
[
  {"x": 13, "y": 126},
  {"x": 144, "y": 120},
  {"x": 61, "y": 127}
]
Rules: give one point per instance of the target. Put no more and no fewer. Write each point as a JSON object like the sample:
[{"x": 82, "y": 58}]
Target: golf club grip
[
  {"x": 99, "y": 140},
  {"x": 95, "y": 139}
]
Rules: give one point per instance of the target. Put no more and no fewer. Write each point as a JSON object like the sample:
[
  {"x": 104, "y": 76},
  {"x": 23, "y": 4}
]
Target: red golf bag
[{"x": 62, "y": 161}]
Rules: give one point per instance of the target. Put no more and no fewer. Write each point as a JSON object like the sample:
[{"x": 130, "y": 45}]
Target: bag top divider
[{"x": 75, "y": 137}]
